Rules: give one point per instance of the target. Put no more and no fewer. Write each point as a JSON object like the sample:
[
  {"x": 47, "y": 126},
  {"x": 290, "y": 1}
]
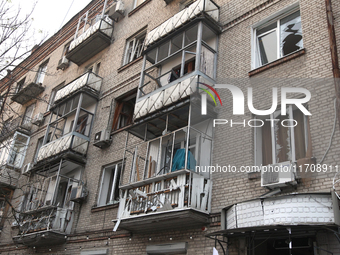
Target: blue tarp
[{"x": 179, "y": 161}]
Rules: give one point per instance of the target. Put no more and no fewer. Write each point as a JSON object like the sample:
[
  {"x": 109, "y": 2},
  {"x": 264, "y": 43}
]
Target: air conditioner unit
[
  {"x": 116, "y": 11},
  {"x": 27, "y": 124},
  {"x": 278, "y": 175},
  {"x": 63, "y": 63},
  {"x": 78, "y": 193},
  {"x": 38, "y": 119},
  {"x": 102, "y": 138},
  {"x": 26, "y": 169}
]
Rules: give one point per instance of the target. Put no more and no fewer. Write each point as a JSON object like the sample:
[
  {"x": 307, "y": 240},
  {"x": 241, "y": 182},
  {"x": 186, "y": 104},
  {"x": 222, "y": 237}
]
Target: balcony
[
  {"x": 9, "y": 176},
  {"x": 47, "y": 214},
  {"x": 21, "y": 124},
  {"x": 74, "y": 143},
  {"x": 88, "y": 82},
  {"x": 179, "y": 199},
  {"x": 92, "y": 40},
  {"x": 198, "y": 8},
  {"x": 313, "y": 209},
  {"x": 164, "y": 184},
  {"x": 31, "y": 91}
]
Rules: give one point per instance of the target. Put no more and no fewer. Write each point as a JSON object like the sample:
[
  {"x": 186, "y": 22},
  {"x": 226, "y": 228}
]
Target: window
[
  {"x": 277, "y": 143},
  {"x": 39, "y": 145},
  {"x": 124, "y": 111},
  {"x": 94, "y": 68},
  {"x": 137, "y": 3},
  {"x": 41, "y": 73},
  {"x": 18, "y": 150},
  {"x": 109, "y": 187},
  {"x": 277, "y": 38},
  {"x": 26, "y": 120},
  {"x": 134, "y": 47},
  {"x": 20, "y": 85}
]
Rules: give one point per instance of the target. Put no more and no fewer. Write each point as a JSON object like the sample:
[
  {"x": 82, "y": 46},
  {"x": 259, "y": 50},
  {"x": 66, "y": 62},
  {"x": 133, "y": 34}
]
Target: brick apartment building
[{"x": 105, "y": 150}]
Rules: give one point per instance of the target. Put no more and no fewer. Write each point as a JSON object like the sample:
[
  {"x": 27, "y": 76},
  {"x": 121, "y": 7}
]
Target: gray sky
[{"x": 50, "y": 15}]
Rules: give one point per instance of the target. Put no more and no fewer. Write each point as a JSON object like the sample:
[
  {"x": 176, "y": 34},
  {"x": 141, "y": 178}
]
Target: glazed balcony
[
  {"x": 174, "y": 66},
  {"x": 88, "y": 82},
  {"x": 29, "y": 92},
  {"x": 163, "y": 186},
  {"x": 91, "y": 40}
]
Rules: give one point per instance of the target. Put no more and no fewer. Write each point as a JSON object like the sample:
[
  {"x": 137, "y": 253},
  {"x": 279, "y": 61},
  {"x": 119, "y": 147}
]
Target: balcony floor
[
  {"x": 37, "y": 239},
  {"x": 169, "y": 220},
  {"x": 89, "y": 48}
]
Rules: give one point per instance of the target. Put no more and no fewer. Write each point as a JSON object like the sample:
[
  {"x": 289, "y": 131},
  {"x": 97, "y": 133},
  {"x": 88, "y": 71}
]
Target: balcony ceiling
[
  {"x": 89, "y": 48},
  {"x": 31, "y": 91},
  {"x": 170, "y": 220}
]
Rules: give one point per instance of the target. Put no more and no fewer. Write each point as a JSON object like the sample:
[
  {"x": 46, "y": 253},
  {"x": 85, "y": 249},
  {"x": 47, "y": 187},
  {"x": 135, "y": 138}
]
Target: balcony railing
[
  {"x": 8, "y": 176},
  {"x": 29, "y": 92},
  {"x": 181, "y": 192},
  {"x": 49, "y": 226},
  {"x": 71, "y": 142},
  {"x": 88, "y": 81},
  {"x": 195, "y": 9},
  {"x": 93, "y": 40},
  {"x": 21, "y": 123}
]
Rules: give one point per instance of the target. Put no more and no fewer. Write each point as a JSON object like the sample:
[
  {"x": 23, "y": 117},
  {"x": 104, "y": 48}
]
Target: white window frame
[
  {"x": 117, "y": 168},
  {"x": 258, "y": 137},
  {"x": 136, "y": 45},
  {"x": 41, "y": 72},
  {"x": 255, "y": 56},
  {"x": 12, "y": 147}
]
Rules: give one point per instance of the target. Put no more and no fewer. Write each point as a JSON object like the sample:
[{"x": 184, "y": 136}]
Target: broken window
[
  {"x": 41, "y": 72},
  {"x": 134, "y": 47},
  {"x": 124, "y": 111},
  {"x": 109, "y": 188},
  {"x": 278, "y": 38},
  {"x": 278, "y": 141}
]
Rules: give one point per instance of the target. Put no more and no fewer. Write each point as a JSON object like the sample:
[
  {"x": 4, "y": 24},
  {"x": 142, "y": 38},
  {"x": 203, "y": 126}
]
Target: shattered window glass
[{"x": 270, "y": 47}]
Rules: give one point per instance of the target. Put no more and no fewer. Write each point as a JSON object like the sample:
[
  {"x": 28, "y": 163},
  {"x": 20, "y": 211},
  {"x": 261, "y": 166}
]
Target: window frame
[
  {"x": 113, "y": 184},
  {"x": 53, "y": 94},
  {"x": 135, "y": 38},
  {"x": 40, "y": 76},
  {"x": 11, "y": 150},
  {"x": 275, "y": 18},
  {"x": 20, "y": 85},
  {"x": 258, "y": 157},
  {"x": 118, "y": 111}
]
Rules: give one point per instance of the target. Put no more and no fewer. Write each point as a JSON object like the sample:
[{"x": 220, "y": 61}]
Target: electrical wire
[{"x": 332, "y": 135}]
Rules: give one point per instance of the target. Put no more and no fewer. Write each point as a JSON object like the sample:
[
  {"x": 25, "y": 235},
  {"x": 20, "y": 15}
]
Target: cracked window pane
[{"x": 291, "y": 34}]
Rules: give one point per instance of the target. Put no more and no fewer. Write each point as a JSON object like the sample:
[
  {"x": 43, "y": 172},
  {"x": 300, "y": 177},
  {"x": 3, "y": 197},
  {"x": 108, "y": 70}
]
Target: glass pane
[
  {"x": 176, "y": 43},
  {"x": 282, "y": 141},
  {"x": 163, "y": 51},
  {"x": 178, "y": 161},
  {"x": 190, "y": 35},
  {"x": 291, "y": 34},
  {"x": 268, "y": 47},
  {"x": 207, "y": 62},
  {"x": 151, "y": 56},
  {"x": 209, "y": 37}
]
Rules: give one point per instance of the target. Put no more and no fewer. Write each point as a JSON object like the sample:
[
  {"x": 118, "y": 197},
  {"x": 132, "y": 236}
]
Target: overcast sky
[{"x": 50, "y": 15}]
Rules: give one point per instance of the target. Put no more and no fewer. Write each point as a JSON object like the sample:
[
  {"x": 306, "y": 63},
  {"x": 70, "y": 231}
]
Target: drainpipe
[{"x": 334, "y": 54}]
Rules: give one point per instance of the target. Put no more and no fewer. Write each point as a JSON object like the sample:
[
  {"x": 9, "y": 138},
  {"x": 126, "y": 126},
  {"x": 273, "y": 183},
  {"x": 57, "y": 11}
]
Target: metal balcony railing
[
  {"x": 72, "y": 141},
  {"x": 89, "y": 81},
  {"x": 20, "y": 123}
]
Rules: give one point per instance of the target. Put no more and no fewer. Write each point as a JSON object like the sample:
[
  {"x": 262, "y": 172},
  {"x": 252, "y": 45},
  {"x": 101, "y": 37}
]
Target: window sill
[
  {"x": 129, "y": 64},
  {"x": 136, "y": 9},
  {"x": 277, "y": 62},
  {"x": 104, "y": 207}
]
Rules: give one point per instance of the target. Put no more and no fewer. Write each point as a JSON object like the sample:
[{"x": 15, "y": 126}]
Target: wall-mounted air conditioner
[
  {"x": 38, "y": 119},
  {"x": 116, "y": 11},
  {"x": 63, "y": 63},
  {"x": 278, "y": 175},
  {"x": 26, "y": 169},
  {"x": 102, "y": 138},
  {"x": 78, "y": 193}
]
